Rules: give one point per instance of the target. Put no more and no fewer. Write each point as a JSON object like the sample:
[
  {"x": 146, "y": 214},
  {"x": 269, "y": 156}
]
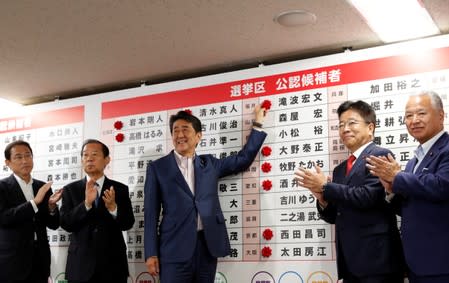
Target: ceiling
[{"x": 63, "y": 48}]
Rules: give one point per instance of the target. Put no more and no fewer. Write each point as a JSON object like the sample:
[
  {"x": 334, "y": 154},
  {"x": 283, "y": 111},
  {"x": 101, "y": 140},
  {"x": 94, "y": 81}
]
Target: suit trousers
[
  {"x": 200, "y": 268},
  {"x": 386, "y": 278},
  {"x": 413, "y": 278},
  {"x": 37, "y": 274}
]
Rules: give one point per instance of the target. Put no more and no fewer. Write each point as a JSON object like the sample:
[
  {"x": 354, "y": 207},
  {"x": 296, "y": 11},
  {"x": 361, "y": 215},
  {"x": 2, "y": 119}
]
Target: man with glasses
[
  {"x": 27, "y": 208},
  {"x": 367, "y": 238}
]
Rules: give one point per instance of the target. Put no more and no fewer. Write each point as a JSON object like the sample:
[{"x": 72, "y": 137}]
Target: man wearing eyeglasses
[
  {"x": 367, "y": 238},
  {"x": 27, "y": 208}
]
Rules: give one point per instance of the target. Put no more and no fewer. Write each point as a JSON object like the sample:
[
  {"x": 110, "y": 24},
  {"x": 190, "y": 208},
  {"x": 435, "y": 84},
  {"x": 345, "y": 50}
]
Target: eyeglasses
[
  {"x": 20, "y": 157},
  {"x": 350, "y": 123}
]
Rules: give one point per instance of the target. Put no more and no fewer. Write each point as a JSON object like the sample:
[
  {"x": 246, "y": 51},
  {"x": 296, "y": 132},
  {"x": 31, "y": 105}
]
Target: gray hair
[{"x": 435, "y": 99}]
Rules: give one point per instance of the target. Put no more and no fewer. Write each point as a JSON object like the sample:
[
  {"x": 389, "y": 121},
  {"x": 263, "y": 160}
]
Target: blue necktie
[
  {"x": 419, "y": 153},
  {"x": 98, "y": 194}
]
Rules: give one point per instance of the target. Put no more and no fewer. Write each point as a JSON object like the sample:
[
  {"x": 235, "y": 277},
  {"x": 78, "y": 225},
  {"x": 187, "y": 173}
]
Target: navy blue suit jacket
[
  {"x": 166, "y": 189},
  {"x": 97, "y": 243},
  {"x": 18, "y": 225},
  {"x": 366, "y": 227},
  {"x": 424, "y": 200}
]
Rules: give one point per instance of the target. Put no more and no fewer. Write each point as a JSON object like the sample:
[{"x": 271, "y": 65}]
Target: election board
[{"x": 274, "y": 228}]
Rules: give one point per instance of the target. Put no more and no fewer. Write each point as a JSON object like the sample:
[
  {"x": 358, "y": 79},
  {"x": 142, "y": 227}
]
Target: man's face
[
  {"x": 423, "y": 121},
  {"x": 21, "y": 162},
  {"x": 93, "y": 159},
  {"x": 354, "y": 131},
  {"x": 185, "y": 138}
]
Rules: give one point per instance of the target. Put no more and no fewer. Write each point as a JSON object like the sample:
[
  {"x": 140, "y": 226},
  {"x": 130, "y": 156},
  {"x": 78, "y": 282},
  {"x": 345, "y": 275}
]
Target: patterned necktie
[
  {"x": 98, "y": 194},
  {"x": 349, "y": 164},
  {"x": 419, "y": 153}
]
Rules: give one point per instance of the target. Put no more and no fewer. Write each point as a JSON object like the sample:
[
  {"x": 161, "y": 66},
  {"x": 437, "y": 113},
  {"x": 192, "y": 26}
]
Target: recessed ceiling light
[{"x": 293, "y": 18}]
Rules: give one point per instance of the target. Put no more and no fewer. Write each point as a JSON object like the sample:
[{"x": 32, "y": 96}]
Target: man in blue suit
[
  {"x": 367, "y": 238},
  {"x": 422, "y": 190},
  {"x": 192, "y": 233}
]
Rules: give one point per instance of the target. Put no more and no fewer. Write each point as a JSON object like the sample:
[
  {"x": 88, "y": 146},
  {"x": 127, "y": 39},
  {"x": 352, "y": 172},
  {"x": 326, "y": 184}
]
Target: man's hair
[
  {"x": 435, "y": 99},
  {"x": 184, "y": 115},
  {"x": 364, "y": 109},
  {"x": 104, "y": 148},
  {"x": 13, "y": 144}
]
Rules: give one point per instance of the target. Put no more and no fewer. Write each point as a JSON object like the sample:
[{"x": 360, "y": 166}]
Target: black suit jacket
[
  {"x": 97, "y": 243},
  {"x": 367, "y": 236},
  {"x": 18, "y": 226}
]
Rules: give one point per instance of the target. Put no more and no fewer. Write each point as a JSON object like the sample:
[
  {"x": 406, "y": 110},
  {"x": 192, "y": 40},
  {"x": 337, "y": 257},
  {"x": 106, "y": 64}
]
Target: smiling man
[
  {"x": 185, "y": 245},
  {"x": 367, "y": 238},
  {"x": 421, "y": 191}
]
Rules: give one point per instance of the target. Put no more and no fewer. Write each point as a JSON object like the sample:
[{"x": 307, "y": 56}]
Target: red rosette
[
  {"x": 118, "y": 125},
  {"x": 266, "y": 151},
  {"x": 266, "y": 167},
  {"x": 266, "y": 252},
  {"x": 120, "y": 137},
  {"x": 267, "y": 234},
  {"x": 267, "y": 185},
  {"x": 188, "y": 111},
  {"x": 266, "y": 104}
]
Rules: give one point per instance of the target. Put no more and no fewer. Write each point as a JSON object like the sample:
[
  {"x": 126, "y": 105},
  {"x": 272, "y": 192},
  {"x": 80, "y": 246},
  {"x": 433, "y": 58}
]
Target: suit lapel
[
  {"x": 179, "y": 178},
  {"x": 411, "y": 164},
  {"x": 198, "y": 166},
  {"x": 15, "y": 188},
  {"x": 359, "y": 162},
  {"x": 433, "y": 152}
]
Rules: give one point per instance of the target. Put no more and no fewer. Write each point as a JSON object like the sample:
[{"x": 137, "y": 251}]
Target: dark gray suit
[{"x": 97, "y": 247}]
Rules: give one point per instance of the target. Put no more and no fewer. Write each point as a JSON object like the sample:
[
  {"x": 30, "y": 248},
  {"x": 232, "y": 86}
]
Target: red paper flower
[
  {"x": 267, "y": 234},
  {"x": 188, "y": 111},
  {"x": 266, "y": 104},
  {"x": 266, "y": 167},
  {"x": 118, "y": 125},
  {"x": 266, "y": 252},
  {"x": 267, "y": 185},
  {"x": 266, "y": 151},
  {"x": 119, "y": 137}
]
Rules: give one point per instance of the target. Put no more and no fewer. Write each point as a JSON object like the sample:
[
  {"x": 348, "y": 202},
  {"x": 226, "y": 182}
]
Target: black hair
[
  {"x": 13, "y": 144},
  {"x": 364, "y": 109},
  {"x": 104, "y": 148},
  {"x": 184, "y": 115}
]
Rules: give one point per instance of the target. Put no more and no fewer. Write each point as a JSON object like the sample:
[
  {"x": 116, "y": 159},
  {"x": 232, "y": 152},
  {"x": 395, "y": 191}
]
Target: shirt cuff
[
  {"x": 389, "y": 196},
  {"x": 35, "y": 208},
  {"x": 114, "y": 213}
]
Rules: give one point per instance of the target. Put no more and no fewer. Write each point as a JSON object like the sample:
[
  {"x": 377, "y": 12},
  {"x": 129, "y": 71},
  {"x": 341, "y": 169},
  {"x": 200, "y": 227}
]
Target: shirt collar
[
  {"x": 99, "y": 181},
  {"x": 428, "y": 144},
  {"x": 179, "y": 158},
  {"x": 22, "y": 182},
  {"x": 361, "y": 149}
]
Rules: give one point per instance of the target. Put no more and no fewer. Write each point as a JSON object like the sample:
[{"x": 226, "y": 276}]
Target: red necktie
[{"x": 349, "y": 164}]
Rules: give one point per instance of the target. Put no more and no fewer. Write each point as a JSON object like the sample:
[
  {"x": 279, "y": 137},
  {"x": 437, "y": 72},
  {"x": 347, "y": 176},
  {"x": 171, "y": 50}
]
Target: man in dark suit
[
  {"x": 27, "y": 208},
  {"x": 96, "y": 210},
  {"x": 367, "y": 238},
  {"x": 192, "y": 233},
  {"x": 421, "y": 191}
]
